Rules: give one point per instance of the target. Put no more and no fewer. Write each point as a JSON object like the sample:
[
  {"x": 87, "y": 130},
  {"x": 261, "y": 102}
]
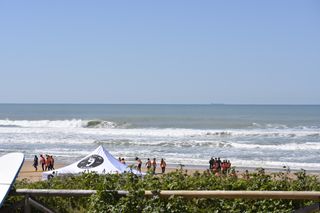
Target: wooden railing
[{"x": 289, "y": 195}]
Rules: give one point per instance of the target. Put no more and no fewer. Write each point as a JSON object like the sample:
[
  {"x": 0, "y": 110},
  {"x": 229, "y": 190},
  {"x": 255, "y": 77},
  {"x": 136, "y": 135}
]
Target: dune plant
[{"x": 106, "y": 201}]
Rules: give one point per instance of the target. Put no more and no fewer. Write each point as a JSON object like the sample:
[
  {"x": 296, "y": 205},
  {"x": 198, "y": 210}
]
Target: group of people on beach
[
  {"x": 151, "y": 165},
  {"x": 46, "y": 162},
  {"x": 218, "y": 166}
]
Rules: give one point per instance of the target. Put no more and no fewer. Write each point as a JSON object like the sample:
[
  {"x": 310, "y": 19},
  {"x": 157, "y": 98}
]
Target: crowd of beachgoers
[
  {"x": 46, "y": 162},
  {"x": 217, "y": 166},
  {"x": 151, "y": 165}
]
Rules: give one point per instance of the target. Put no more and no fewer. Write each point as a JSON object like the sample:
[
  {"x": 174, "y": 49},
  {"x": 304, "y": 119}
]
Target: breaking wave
[
  {"x": 101, "y": 127},
  {"x": 163, "y": 143},
  {"x": 74, "y": 123}
]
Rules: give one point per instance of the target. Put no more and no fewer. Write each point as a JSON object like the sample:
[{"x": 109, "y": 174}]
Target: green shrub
[{"x": 106, "y": 201}]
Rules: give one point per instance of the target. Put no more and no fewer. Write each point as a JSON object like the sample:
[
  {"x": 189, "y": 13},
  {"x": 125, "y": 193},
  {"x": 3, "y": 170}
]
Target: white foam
[
  {"x": 111, "y": 128},
  {"x": 178, "y": 145},
  {"x": 72, "y": 131},
  {"x": 73, "y": 123},
  {"x": 288, "y": 146}
]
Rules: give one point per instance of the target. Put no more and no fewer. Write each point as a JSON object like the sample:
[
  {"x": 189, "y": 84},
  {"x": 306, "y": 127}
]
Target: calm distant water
[{"x": 248, "y": 135}]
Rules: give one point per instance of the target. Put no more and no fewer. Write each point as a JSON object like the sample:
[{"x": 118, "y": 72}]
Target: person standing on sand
[
  {"x": 52, "y": 163},
  {"x": 139, "y": 163},
  {"x": 211, "y": 162},
  {"x": 154, "y": 166},
  {"x": 43, "y": 162},
  {"x": 35, "y": 162},
  {"x": 48, "y": 162},
  {"x": 219, "y": 164},
  {"x": 148, "y": 164},
  {"x": 163, "y": 165}
]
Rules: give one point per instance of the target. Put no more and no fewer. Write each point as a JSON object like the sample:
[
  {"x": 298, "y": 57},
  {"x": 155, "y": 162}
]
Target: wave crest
[
  {"x": 73, "y": 123},
  {"x": 100, "y": 124}
]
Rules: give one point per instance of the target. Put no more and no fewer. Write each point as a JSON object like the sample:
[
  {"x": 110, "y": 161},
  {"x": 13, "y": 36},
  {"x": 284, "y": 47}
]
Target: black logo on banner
[{"x": 90, "y": 162}]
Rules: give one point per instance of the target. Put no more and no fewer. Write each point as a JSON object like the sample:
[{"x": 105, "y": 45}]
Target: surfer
[{"x": 35, "y": 162}]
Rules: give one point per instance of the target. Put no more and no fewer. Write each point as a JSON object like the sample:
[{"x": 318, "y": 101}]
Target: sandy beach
[{"x": 28, "y": 171}]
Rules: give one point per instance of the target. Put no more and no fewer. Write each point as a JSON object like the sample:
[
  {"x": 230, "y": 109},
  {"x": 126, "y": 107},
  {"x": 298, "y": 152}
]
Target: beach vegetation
[{"x": 109, "y": 201}]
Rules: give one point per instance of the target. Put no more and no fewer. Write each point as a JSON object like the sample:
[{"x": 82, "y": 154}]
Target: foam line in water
[
  {"x": 76, "y": 127},
  {"x": 74, "y": 123},
  {"x": 287, "y": 146}
]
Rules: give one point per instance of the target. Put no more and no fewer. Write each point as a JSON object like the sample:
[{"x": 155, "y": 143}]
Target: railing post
[
  {"x": 39, "y": 206},
  {"x": 27, "y": 208}
]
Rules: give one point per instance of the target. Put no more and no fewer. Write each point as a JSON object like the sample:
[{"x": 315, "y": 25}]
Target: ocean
[{"x": 270, "y": 136}]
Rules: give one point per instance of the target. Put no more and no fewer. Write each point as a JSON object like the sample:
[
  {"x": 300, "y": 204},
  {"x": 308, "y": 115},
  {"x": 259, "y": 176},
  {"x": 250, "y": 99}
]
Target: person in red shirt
[{"x": 48, "y": 163}]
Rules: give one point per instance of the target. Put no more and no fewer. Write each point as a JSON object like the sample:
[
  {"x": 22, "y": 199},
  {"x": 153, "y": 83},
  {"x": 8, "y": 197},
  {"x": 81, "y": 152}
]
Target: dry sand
[{"x": 28, "y": 171}]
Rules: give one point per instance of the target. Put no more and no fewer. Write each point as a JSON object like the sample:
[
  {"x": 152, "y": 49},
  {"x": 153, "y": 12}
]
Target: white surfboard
[{"x": 10, "y": 165}]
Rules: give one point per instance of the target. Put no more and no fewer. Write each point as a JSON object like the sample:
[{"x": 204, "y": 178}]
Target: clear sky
[{"x": 170, "y": 51}]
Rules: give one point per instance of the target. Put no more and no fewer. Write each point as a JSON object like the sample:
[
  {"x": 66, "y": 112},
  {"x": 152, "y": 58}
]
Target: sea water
[{"x": 270, "y": 136}]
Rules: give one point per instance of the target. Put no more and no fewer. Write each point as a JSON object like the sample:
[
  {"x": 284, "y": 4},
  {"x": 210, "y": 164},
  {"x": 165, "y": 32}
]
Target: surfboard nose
[{"x": 10, "y": 165}]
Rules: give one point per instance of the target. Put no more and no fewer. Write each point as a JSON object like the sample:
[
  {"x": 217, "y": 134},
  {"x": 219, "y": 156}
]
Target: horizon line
[{"x": 213, "y": 104}]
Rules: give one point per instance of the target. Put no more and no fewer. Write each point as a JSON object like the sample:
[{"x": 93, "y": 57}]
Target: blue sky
[{"x": 245, "y": 52}]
